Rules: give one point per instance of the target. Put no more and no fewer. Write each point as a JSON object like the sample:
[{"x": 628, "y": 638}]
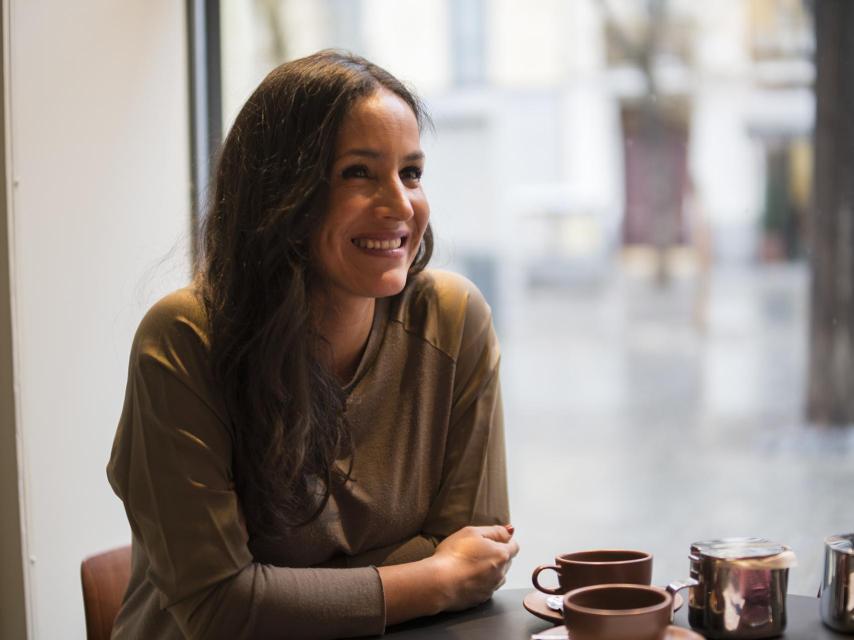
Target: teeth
[{"x": 367, "y": 243}]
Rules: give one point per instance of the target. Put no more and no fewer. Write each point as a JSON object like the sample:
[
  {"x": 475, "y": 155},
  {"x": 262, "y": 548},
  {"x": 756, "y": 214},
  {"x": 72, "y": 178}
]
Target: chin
[{"x": 391, "y": 285}]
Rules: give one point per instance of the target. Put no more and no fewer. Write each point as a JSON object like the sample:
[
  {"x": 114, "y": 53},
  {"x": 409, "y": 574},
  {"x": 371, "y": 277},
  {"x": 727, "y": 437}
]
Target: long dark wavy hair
[{"x": 254, "y": 277}]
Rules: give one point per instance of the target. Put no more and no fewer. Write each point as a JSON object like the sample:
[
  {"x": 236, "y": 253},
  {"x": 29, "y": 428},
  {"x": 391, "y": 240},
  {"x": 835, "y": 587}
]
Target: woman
[{"x": 311, "y": 429}]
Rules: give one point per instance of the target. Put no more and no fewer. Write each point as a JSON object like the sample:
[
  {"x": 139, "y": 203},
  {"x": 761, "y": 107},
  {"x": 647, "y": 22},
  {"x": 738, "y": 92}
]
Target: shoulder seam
[
  {"x": 166, "y": 369},
  {"x": 410, "y": 332}
]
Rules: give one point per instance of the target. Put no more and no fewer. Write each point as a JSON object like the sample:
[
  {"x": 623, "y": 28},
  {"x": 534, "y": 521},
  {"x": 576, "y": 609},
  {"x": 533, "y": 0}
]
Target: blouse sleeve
[
  {"x": 473, "y": 490},
  {"x": 171, "y": 465}
]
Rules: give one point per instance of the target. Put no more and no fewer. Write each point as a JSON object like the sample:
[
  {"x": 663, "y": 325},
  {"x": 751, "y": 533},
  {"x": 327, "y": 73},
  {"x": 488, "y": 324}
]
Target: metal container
[
  {"x": 741, "y": 590},
  {"x": 837, "y": 586}
]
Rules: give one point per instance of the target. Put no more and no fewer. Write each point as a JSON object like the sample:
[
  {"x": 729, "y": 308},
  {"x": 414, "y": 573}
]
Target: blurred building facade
[{"x": 568, "y": 131}]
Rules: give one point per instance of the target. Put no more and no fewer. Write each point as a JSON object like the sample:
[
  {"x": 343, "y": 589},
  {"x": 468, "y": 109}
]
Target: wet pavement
[{"x": 647, "y": 417}]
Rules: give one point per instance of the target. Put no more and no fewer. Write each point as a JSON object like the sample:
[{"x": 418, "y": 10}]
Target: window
[{"x": 628, "y": 184}]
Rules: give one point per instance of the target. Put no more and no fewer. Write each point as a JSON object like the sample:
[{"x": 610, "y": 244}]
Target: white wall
[{"x": 98, "y": 220}]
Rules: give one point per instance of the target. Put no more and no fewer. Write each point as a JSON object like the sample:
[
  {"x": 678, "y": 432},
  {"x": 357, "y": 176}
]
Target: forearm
[
  {"x": 412, "y": 590},
  {"x": 410, "y": 550},
  {"x": 466, "y": 569},
  {"x": 264, "y": 601}
]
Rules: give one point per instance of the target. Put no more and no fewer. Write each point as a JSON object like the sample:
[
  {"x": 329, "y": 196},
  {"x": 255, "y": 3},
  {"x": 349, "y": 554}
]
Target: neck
[{"x": 345, "y": 325}]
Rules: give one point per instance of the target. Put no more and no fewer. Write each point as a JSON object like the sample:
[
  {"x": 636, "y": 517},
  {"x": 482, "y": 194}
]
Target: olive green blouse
[{"x": 425, "y": 410}]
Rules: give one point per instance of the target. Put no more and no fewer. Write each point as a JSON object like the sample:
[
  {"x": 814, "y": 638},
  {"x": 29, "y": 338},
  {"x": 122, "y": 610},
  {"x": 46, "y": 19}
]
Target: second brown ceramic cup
[
  {"x": 617, "y": 612},
  {"x": 601, "y": 566}
]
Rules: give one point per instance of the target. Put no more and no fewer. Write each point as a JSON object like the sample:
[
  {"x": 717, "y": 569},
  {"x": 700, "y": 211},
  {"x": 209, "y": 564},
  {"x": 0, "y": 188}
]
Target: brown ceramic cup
[
  {"x": 617, "y": 612},
  {"x": 602, "y": 566}
]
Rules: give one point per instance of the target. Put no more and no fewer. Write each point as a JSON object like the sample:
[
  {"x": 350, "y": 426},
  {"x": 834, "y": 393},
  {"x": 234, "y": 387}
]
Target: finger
[
  {"x": 506, "y": 567},
  {"x": 511, "y": 547},
  {"x": 497, "y": 532}
]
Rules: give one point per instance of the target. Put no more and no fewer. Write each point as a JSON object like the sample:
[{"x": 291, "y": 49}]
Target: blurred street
[{"x": 645, "y": 417}]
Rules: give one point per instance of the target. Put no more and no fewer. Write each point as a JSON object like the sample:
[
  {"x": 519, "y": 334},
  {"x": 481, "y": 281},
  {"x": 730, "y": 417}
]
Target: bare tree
[{"x": 831, "y": 360}]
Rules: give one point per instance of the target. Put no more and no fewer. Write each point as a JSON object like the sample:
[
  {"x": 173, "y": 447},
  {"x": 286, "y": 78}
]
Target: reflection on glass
[{"x": 627, "y": 181}]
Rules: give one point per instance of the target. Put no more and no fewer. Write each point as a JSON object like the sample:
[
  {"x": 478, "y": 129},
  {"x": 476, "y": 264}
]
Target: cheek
[
  {"x": 323, "y": 249},
  {"x": 422, "y": 217},
  {"x": 422, "y": 214}
]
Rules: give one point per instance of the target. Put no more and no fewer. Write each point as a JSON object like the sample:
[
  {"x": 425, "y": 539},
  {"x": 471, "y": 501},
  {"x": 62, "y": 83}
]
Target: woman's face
[{"x": 377, "y": 210}]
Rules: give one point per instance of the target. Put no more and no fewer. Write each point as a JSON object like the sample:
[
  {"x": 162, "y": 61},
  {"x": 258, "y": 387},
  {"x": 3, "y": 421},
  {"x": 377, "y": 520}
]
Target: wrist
[
  {"x": 415, "y": 589},
  {"x": 440, "y": 592}
]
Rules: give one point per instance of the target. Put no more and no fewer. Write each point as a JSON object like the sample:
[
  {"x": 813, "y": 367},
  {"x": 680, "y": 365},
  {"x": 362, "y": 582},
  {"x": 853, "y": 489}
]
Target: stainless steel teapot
[
  {"x": 740, "y": 589},
  {"x": 837, "y": 585}
]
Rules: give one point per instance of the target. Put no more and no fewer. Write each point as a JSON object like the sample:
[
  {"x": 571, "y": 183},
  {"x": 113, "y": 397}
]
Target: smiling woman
[
  {"x": 312, "y": 438},
  {"x": 377, "y": 211},
  {"x": 376, "y": 217}
]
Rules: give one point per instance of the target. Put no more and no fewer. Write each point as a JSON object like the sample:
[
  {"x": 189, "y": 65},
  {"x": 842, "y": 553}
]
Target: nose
[{"x": 394, "y": 201}]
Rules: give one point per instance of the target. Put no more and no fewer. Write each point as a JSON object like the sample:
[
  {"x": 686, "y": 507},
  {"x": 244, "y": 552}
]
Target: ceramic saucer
[
  {"x": 536, "y": 602},
  {"x": 673, "y": 633}
]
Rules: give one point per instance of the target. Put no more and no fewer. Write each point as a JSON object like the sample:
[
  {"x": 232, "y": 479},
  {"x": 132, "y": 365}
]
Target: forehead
[{"x": 381, "y": 117}]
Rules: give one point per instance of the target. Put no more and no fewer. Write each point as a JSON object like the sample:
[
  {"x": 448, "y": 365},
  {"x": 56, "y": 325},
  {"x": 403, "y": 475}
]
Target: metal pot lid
[
  {"x": 844, "y": 543},
  {"x": 738, "y": 548}
]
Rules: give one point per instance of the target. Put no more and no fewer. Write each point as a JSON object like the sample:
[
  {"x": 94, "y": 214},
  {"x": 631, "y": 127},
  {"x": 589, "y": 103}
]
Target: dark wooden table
[{"x": 503, "y": 617}]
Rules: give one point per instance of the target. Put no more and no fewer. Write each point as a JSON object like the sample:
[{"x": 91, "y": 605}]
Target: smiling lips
[{"x": 381, "y": 245}]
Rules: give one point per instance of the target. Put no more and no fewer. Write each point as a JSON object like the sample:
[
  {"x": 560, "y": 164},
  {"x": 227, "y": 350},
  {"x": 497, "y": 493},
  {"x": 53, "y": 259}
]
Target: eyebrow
[{"x": 373, "y": 154}]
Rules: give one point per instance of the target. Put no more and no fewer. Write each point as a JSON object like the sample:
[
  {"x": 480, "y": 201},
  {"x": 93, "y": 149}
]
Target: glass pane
[{"x": 627, "y": 181}]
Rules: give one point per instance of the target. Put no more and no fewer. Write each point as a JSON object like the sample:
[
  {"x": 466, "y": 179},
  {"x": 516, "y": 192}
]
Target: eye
[
  {"x": 411, "y": 174},
  {"x": 355, "y": 171}
]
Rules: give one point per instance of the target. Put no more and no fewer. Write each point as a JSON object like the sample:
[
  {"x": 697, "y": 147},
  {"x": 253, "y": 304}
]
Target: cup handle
[
  {"x": 535, "y": 576},
  {"x": 677, "y": 585}
]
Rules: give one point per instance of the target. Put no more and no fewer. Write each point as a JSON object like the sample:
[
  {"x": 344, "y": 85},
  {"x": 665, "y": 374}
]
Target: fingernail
[{"x": 510, "y": 528}]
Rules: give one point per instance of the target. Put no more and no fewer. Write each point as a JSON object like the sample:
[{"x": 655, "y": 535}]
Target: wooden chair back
[{"x": 105, "y": 578}]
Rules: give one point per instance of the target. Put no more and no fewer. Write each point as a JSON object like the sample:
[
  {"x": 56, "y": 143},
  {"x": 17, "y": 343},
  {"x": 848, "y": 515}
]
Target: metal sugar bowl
[
  {"x": 741, "y": 590},
  {"x": 837, "y": 584}
]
